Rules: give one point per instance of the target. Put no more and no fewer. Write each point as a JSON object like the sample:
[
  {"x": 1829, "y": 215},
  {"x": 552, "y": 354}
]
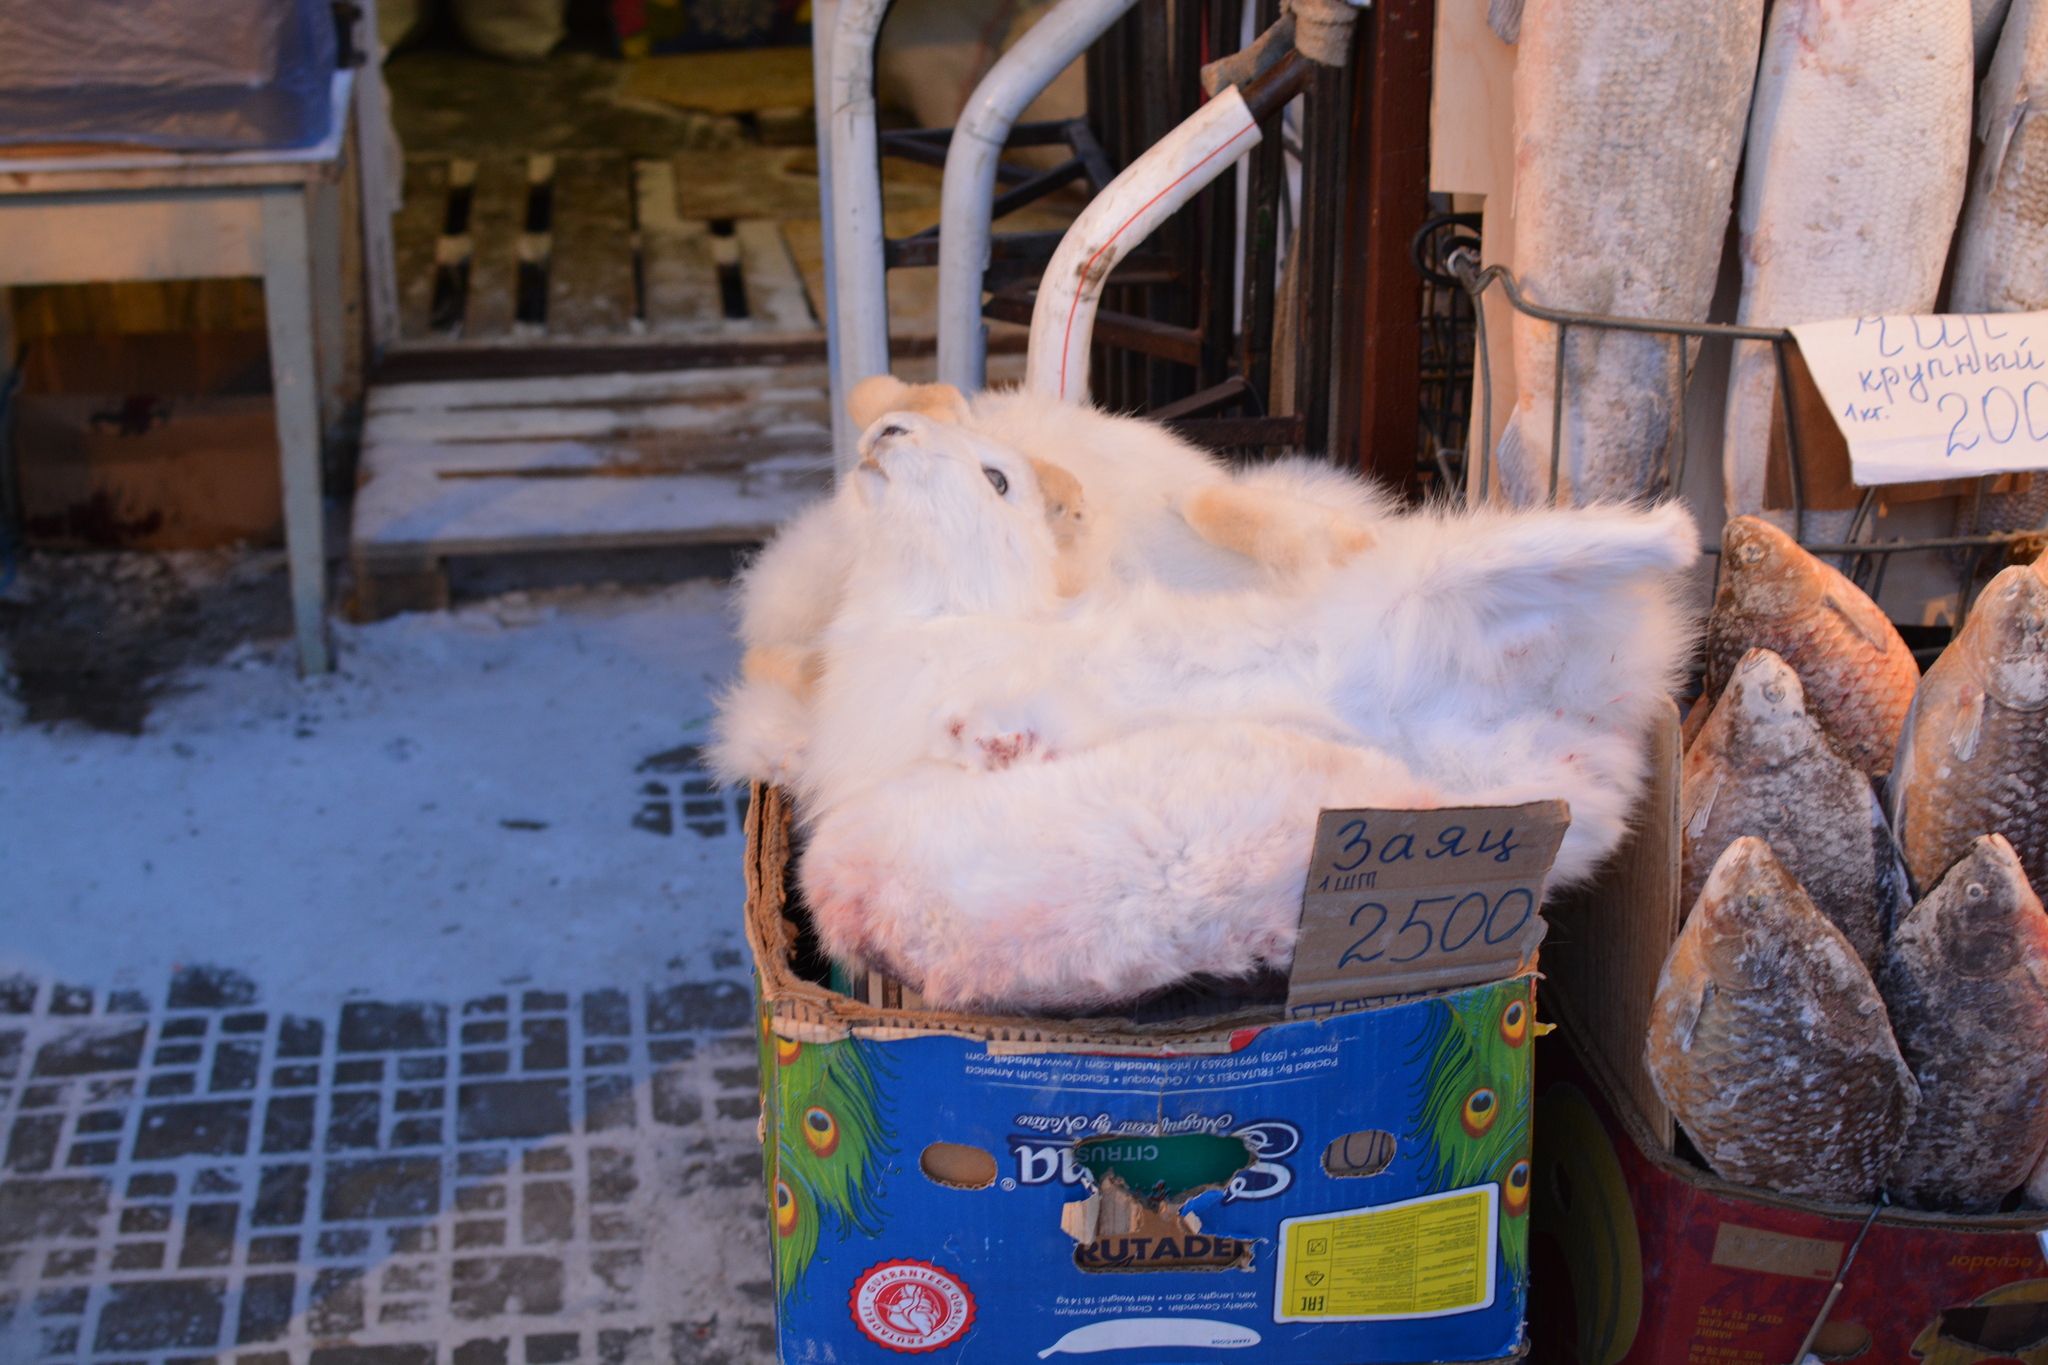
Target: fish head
[
  {"x": 1981, "y": 907},
  {"x": 1767, "y": 719},
  {"x": 1765, "y": 575},
  {"x": 1742, "y": 913},
  {"x": 2006, "y": 639}
]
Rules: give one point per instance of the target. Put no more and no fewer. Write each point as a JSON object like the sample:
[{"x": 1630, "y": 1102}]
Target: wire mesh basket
[{"x": 1861, "y": 554}]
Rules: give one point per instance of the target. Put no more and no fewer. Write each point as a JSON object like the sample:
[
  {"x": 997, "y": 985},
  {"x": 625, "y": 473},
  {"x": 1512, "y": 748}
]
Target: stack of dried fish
[{"x": 1816, "y": 1031}]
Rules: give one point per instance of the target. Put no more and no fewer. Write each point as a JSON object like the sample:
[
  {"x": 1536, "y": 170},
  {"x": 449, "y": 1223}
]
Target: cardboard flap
[{"x": 1400, "y": 902}]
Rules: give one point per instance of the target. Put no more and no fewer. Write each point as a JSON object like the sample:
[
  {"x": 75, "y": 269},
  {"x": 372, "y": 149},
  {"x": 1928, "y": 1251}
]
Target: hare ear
[
  {"x": 1065, "y": 505},
  {"x": 874, "y": 396},
  {"x": 882, "y": 393}
]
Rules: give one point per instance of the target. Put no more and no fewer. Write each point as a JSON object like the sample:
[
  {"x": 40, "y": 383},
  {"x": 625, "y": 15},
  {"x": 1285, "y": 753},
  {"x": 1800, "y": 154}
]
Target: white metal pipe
[
  {"x": 1148, "y": 192},
  {"x": 859, "y": 286},
  {"x": 1021, "y": 75},
  {"x": 824, "y": 21}
]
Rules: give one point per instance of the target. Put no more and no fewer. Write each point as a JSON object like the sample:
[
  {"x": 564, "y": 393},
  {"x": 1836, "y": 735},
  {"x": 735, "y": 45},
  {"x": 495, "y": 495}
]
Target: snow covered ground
[
  {"x": 451, "y": 811},
  {"x": 392, "y": 1017}
]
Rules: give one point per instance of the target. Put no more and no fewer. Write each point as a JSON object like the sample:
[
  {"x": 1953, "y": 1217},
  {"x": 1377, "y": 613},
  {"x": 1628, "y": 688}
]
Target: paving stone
[
  {"x": 96, "y": 1047},
  {"x": 266, "y": 1307},
  {"x": 547, "y": 1211},
  {"x": 154, "y": 1314},
  {"x": 209, "y": 1235},
  {"x": 39, "y": 1210},
  {"x": 32, "y": 1142},
  {"x": 353, "y": 1120},
  {"x": 214, "y": 1128},
  {"x": 675, "y": 1101},
  {"x": 607, "y": 1014},
  {"x": 210, "y": 988},
  {"x": 486, "y": 1287},
  {"x": 553, "y": 1348},
  {"x": 471, "y": 1224},
  {"x": 608, "y": 1103},
  {"x": 369, "y": 1026},
  {"x": 547, "y": 1045},
  {"x": 281, "y": 1196},
  {"x": 384, "y": 1187},
  {"x": 699, "y": 1005},
  {"x": 410, "y": 1354},
  {"x": 511, "y": 1109},
  {"x": 335, "y": 1307},
  {"x": 298, "y": 1037}
]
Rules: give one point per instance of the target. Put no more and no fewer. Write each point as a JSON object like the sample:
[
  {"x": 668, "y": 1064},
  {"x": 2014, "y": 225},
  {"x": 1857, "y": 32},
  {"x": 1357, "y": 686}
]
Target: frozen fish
[
  {"x": 1765, "y": 766},
  {"x": 1858, "y": 674},
  {"x": 1974, "y": 756},
  {"x": 1628, "y": 127},
  {"x": 1857, "y": 150},
  {"x": 1966, "y": 985},
  {"x": 1770, "y": 1043}
]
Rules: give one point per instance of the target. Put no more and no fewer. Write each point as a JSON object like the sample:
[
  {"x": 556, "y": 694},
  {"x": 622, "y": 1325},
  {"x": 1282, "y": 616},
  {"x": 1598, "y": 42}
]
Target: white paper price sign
[{"x": 1934, "y": 396}]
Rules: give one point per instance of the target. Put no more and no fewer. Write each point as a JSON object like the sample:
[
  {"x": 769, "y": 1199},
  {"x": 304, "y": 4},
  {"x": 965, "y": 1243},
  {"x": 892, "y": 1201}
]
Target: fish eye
[{"x": 997, "y": 481}]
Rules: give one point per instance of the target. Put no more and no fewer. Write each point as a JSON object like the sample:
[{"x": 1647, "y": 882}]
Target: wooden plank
[
  {"x": 590, "y": 267},
  {"x": 497, "y": 216},
  {"x": 1378, "y": 403},
  {"x": 679, "y": 279},
  {"x": 775, "y": 291},
  {"x": 294, "y": 384},
  {"x": 564, "y": 423},
  {"x": 672, "y": 386},
  {"x": 415, "y": 236},
  {"x": 131, "y": 237},
  {"x": 406, "y": 517}
]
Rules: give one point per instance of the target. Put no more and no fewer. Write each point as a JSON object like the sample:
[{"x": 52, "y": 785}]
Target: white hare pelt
[{"x": 1091, "y": 880}]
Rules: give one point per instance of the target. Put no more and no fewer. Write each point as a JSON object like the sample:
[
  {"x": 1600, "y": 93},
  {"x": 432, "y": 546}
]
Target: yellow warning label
[{"x": 1421, "y": 1258}]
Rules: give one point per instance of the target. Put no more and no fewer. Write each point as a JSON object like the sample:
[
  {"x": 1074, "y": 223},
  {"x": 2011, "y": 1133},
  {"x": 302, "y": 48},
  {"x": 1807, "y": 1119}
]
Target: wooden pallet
[
  {"x": 579, "y": 463},
  {"x": 586, "y": 246}
]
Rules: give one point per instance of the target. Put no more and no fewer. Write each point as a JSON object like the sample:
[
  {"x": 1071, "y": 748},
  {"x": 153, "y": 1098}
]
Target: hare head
[{"x": 950, "y": 521}]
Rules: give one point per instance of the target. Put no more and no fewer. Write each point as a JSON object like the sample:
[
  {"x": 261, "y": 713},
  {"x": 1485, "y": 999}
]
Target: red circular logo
[{"x": 911, "y": 1306}]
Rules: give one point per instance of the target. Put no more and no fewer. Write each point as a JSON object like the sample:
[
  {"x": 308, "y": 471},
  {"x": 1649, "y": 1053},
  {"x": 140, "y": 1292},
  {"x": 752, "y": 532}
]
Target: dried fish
[
  {"x": 1858, "y": 674},
  {"x": 1966, "y": 985},
  {"x": 1974, "y": 756},
  {"x": 1764, "y": 765},
  {"x": 1770, "y": 1043}
]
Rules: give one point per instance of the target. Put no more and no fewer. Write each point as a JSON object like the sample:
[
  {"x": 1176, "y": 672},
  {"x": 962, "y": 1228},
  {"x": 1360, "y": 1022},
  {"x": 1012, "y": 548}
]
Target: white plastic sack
[{"x": 516, "y": 30}]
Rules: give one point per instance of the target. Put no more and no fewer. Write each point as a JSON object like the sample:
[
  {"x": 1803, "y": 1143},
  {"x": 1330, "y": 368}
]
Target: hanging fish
[
  {"x": 1974, "y": 756},
  {"x": 2002, "y": 245},
  {"x": 1857, "y": 673},
  {"x": 1770, "y": 1043},
  {"x": 1858, "y": 146},
  {"x": 1966, "y": 985},
  {"x": 1628, "y": 127},
  {"x": 1764, "y": 765}
]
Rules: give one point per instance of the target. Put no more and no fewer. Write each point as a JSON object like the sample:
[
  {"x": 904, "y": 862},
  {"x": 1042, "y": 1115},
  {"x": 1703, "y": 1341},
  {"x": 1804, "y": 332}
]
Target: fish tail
[{"x": 1504, "y": 17}]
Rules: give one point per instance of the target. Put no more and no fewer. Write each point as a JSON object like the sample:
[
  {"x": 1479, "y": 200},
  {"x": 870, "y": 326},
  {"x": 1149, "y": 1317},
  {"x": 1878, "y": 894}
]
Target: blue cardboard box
[{"x": 1351, "y": 1189}]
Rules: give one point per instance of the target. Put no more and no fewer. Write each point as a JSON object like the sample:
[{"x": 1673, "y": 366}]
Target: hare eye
[{"x": 997, "y": 481}]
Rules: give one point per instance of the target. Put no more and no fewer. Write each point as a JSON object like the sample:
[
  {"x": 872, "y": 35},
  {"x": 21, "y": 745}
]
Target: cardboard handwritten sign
[
  {"x": 1401, "y": 901},
  {"x": 1936, "y": 396}
]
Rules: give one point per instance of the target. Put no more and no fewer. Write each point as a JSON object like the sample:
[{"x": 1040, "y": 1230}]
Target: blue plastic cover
[{"x": 187, "y": 75}]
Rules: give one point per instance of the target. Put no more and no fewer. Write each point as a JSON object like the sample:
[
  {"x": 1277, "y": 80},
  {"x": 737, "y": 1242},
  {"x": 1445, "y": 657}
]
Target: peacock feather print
[
  {"x": 1472, "y": 1116},
  {"x": 823, "y": 1141}
]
